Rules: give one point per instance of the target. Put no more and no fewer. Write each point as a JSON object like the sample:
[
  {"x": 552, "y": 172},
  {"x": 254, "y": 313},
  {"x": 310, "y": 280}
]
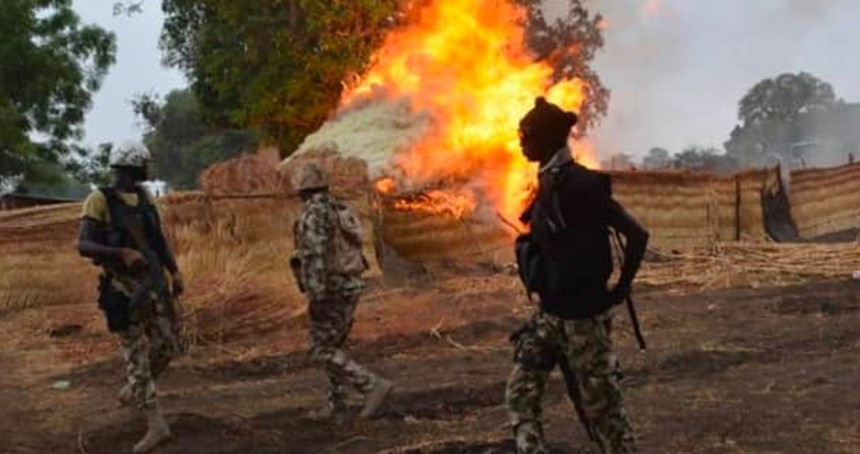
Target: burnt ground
[{"x": 733, "y": 371}]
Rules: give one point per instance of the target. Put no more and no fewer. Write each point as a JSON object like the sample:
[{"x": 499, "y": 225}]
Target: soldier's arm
[
  {"x": 635, "y": 244},
  {"x": 314, "y": 242},
  {"x": 90, "y": 247}
]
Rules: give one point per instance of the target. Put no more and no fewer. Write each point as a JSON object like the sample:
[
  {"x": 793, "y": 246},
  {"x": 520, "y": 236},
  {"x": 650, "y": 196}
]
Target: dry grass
[
  {"x": 233, "y": 254},
  {"x": 752, "y": 264}
]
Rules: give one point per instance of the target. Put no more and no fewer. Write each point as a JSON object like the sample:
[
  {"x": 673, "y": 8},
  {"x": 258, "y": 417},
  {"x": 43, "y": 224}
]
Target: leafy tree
[
  {"x": 92, "y": 166},
  {"x": 784, "y": 97},
  {"x": 569, "y": 44},
  {"x": 657, "y": 158},
  {"x": 182, "y": 143},
  {"x": 276, "y": 66},
  {"x": 51, "y": 66},
  {"x": 775, "y": 117}
]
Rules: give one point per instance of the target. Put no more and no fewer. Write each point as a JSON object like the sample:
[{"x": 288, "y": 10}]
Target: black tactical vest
[{"x": 568, "y": 224}]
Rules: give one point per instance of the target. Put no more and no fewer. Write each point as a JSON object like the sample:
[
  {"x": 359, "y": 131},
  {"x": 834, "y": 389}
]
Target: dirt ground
[{"x": 769, "y": 370}]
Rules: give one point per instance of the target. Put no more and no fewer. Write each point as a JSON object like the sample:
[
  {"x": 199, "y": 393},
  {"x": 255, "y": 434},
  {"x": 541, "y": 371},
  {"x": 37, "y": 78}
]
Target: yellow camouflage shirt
[{"x": 96, "y": 208}]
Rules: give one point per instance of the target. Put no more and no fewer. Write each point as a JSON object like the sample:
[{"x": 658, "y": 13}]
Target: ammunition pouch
[
  {"x": 530, "y": 350},
  {"x": 115, "y": 306}
]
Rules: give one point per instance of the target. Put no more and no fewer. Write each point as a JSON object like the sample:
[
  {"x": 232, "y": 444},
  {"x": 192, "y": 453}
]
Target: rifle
[
  {"x": 154, "y": 280},
  {"x": 631, "y": 308}
]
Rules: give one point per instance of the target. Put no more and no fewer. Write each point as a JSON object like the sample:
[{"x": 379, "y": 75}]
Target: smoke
[
  {"x": 677, "y": 69},
  {"x": 816, "y": 10}
]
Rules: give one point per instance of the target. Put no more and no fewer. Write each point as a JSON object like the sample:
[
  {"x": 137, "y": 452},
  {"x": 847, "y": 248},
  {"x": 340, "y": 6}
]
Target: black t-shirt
[{"x": 569, "y": 223}]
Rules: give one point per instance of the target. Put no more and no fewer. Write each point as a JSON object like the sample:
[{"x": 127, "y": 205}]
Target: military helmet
[
  {"x": 309, "y": 176},
  {"x": 129, "y": 154}
]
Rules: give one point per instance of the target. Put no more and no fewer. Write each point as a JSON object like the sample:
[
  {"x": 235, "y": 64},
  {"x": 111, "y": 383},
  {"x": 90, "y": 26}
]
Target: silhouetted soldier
[{"x": 566, "y": 259}]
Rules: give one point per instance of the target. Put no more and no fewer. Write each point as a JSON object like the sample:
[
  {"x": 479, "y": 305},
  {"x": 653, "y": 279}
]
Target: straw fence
[{"x": 825, "y": 201}]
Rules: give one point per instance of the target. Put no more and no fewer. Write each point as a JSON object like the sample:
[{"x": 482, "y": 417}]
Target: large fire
[{"x": 466, "y": 63}]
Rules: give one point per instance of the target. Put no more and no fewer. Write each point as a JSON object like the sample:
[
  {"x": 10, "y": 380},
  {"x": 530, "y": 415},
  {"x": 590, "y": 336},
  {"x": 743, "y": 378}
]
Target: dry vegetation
[{"x": 717, "y": 380}]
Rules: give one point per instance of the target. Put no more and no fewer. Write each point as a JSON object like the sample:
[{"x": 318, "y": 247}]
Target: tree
[
  {"x": 51, "y": 66},
  {"x": 570, "y": 44},
  {"x": 657, "y": 158},
  {"x": 775, "y": 116},
  {"x": 619, "y": 161},
  {"x": 278, "y": 66},
  {"x": 182, "y": 143},
  {"x": 704, "y": 159},
  {"x": 274, "y": 66},
  {"x": 784, "y": 97}
]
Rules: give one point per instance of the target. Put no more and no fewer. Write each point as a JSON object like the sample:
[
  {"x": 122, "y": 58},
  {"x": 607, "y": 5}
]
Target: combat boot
[
  {"x": 157, "y": 432},
  {"x": 330, "y": 412},
  {"x": 375, "y": 397}
]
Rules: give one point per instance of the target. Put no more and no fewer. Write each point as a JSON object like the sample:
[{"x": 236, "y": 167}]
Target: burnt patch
[
  {"x": 816, "y": 305},
  {"x": 697, "y": 364}
]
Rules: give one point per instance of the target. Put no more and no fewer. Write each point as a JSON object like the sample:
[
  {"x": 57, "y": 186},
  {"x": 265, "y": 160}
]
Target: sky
[
  {"x": 676, "y": 68},
  {"x": 137, "y": 70}
]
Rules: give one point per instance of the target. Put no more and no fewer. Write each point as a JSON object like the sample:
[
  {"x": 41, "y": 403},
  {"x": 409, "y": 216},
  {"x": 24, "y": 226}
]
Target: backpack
[{"x": 347, "y": 256}]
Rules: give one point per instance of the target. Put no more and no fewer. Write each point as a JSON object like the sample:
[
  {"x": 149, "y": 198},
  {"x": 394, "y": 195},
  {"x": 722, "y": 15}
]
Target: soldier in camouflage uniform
[
  {"x": 121, "y": 232},
  {"x": 570, "y": 220},
  {"x": 328, "y": 263}
]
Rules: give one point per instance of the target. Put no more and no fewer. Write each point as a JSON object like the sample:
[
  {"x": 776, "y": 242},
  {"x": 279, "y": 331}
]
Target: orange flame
[
  {"x": 439, "y": 202},
  {"x": 466, "y": 63},
  {"x": 386, "y": 185}
]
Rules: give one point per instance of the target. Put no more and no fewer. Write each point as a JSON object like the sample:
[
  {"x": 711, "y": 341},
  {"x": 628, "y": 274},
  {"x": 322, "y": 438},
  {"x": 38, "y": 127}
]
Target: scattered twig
[
  {"x": 81, "y": 444},
  {"x": 354, "y": 439}
]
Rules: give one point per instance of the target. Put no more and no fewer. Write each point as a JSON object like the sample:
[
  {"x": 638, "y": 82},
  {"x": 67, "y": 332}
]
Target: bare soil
[{"x": 768, "y": 370}]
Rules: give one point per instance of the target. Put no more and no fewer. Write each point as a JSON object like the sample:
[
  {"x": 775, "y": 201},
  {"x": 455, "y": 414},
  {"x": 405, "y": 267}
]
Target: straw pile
[
  {"x": 247, "y": 174},
  {"x": 751, "y": 264},
  {"x": 348, "y": 177}
]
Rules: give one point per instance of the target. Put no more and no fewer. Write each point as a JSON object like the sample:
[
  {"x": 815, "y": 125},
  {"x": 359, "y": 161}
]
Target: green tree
[
  {"x": 278, "y": 66},
  {"x": 784, "y": 97},
  {"x": 570, "y": 43},
  {"x": 51, "y": 66},
  {"x": 774, "y": 117},
  {"x": 275, "y": 66},
  {"x": 182, "y": 143}
]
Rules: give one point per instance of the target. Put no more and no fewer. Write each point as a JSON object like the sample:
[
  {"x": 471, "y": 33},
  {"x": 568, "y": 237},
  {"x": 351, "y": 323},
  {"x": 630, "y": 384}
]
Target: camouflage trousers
[
  {"x": 331, "y": 321},
  {"x": 583, "y": 350},
  {"x": 148, "y": 347}
]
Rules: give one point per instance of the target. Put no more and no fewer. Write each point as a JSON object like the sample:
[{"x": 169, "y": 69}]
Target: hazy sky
[
  {"x": 676, "y": 68},
  {"x": 137, "y": 70}
]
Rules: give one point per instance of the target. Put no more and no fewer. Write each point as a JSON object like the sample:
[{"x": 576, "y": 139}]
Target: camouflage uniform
[
  {"x": 333, "y": 299},
  {"x": 148, "y": 347},
  {"x": 585, "y": 347},
  {"x": 152, "y": 341}
]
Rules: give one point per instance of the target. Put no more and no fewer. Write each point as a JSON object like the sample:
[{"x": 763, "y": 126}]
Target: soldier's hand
[
  {"x": 178, "y": 284},
  {"x": 131, "y": 257}
]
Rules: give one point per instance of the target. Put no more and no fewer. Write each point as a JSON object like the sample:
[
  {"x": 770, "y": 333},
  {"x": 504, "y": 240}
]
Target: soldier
[
  {"x": 328, "y": 262},
  {"x": 121, "y": 231},
  {"x": 570, "y": 219}
]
